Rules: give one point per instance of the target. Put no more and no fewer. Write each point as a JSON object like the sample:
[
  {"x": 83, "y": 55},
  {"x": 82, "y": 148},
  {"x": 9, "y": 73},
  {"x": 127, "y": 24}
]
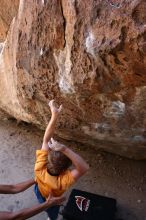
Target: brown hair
[{"x": 57, "y": 163}]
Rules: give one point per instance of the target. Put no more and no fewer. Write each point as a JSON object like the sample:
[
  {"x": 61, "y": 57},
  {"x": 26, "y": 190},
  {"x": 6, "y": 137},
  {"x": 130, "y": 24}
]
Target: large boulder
[{"x": 88, "y": 55}]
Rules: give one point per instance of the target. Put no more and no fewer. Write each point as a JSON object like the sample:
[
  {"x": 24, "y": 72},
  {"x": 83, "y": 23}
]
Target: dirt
[{"x": 110, "y": 175}]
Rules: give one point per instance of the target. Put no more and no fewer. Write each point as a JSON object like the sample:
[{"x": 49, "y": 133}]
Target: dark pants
[{"x": 52, "y": 211}]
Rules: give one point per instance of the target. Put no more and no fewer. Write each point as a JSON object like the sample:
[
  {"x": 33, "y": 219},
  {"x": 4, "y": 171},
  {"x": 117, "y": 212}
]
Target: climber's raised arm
[{"x": 52, "y": 123}]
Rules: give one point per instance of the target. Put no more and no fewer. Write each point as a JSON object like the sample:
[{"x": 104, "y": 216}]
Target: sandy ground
[{"x": 109, "y": 175}]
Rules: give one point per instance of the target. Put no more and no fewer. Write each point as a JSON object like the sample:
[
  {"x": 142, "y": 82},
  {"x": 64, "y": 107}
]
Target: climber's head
[{"x": 57, "y": 163}]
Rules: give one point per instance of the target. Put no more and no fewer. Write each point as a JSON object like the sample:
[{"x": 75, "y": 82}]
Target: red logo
[{"x": 82, "y": 203}]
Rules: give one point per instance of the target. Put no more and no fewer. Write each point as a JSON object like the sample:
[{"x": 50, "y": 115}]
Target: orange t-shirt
[{"x": 47, "y": 183}]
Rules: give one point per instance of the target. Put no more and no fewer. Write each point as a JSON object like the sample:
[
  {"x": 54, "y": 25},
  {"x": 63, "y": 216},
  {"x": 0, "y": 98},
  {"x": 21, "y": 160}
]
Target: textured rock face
[
  {"x": 8, "y": 9},
  {"x": 88, "y": 55}
]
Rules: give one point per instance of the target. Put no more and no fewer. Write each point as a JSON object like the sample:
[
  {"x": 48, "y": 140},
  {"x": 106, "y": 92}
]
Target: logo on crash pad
[{"x": 82, "y": 203}]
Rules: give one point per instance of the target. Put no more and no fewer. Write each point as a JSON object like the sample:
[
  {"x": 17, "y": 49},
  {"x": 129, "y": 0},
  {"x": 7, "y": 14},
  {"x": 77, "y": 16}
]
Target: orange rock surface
[{"x": 88, "y": 55}]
